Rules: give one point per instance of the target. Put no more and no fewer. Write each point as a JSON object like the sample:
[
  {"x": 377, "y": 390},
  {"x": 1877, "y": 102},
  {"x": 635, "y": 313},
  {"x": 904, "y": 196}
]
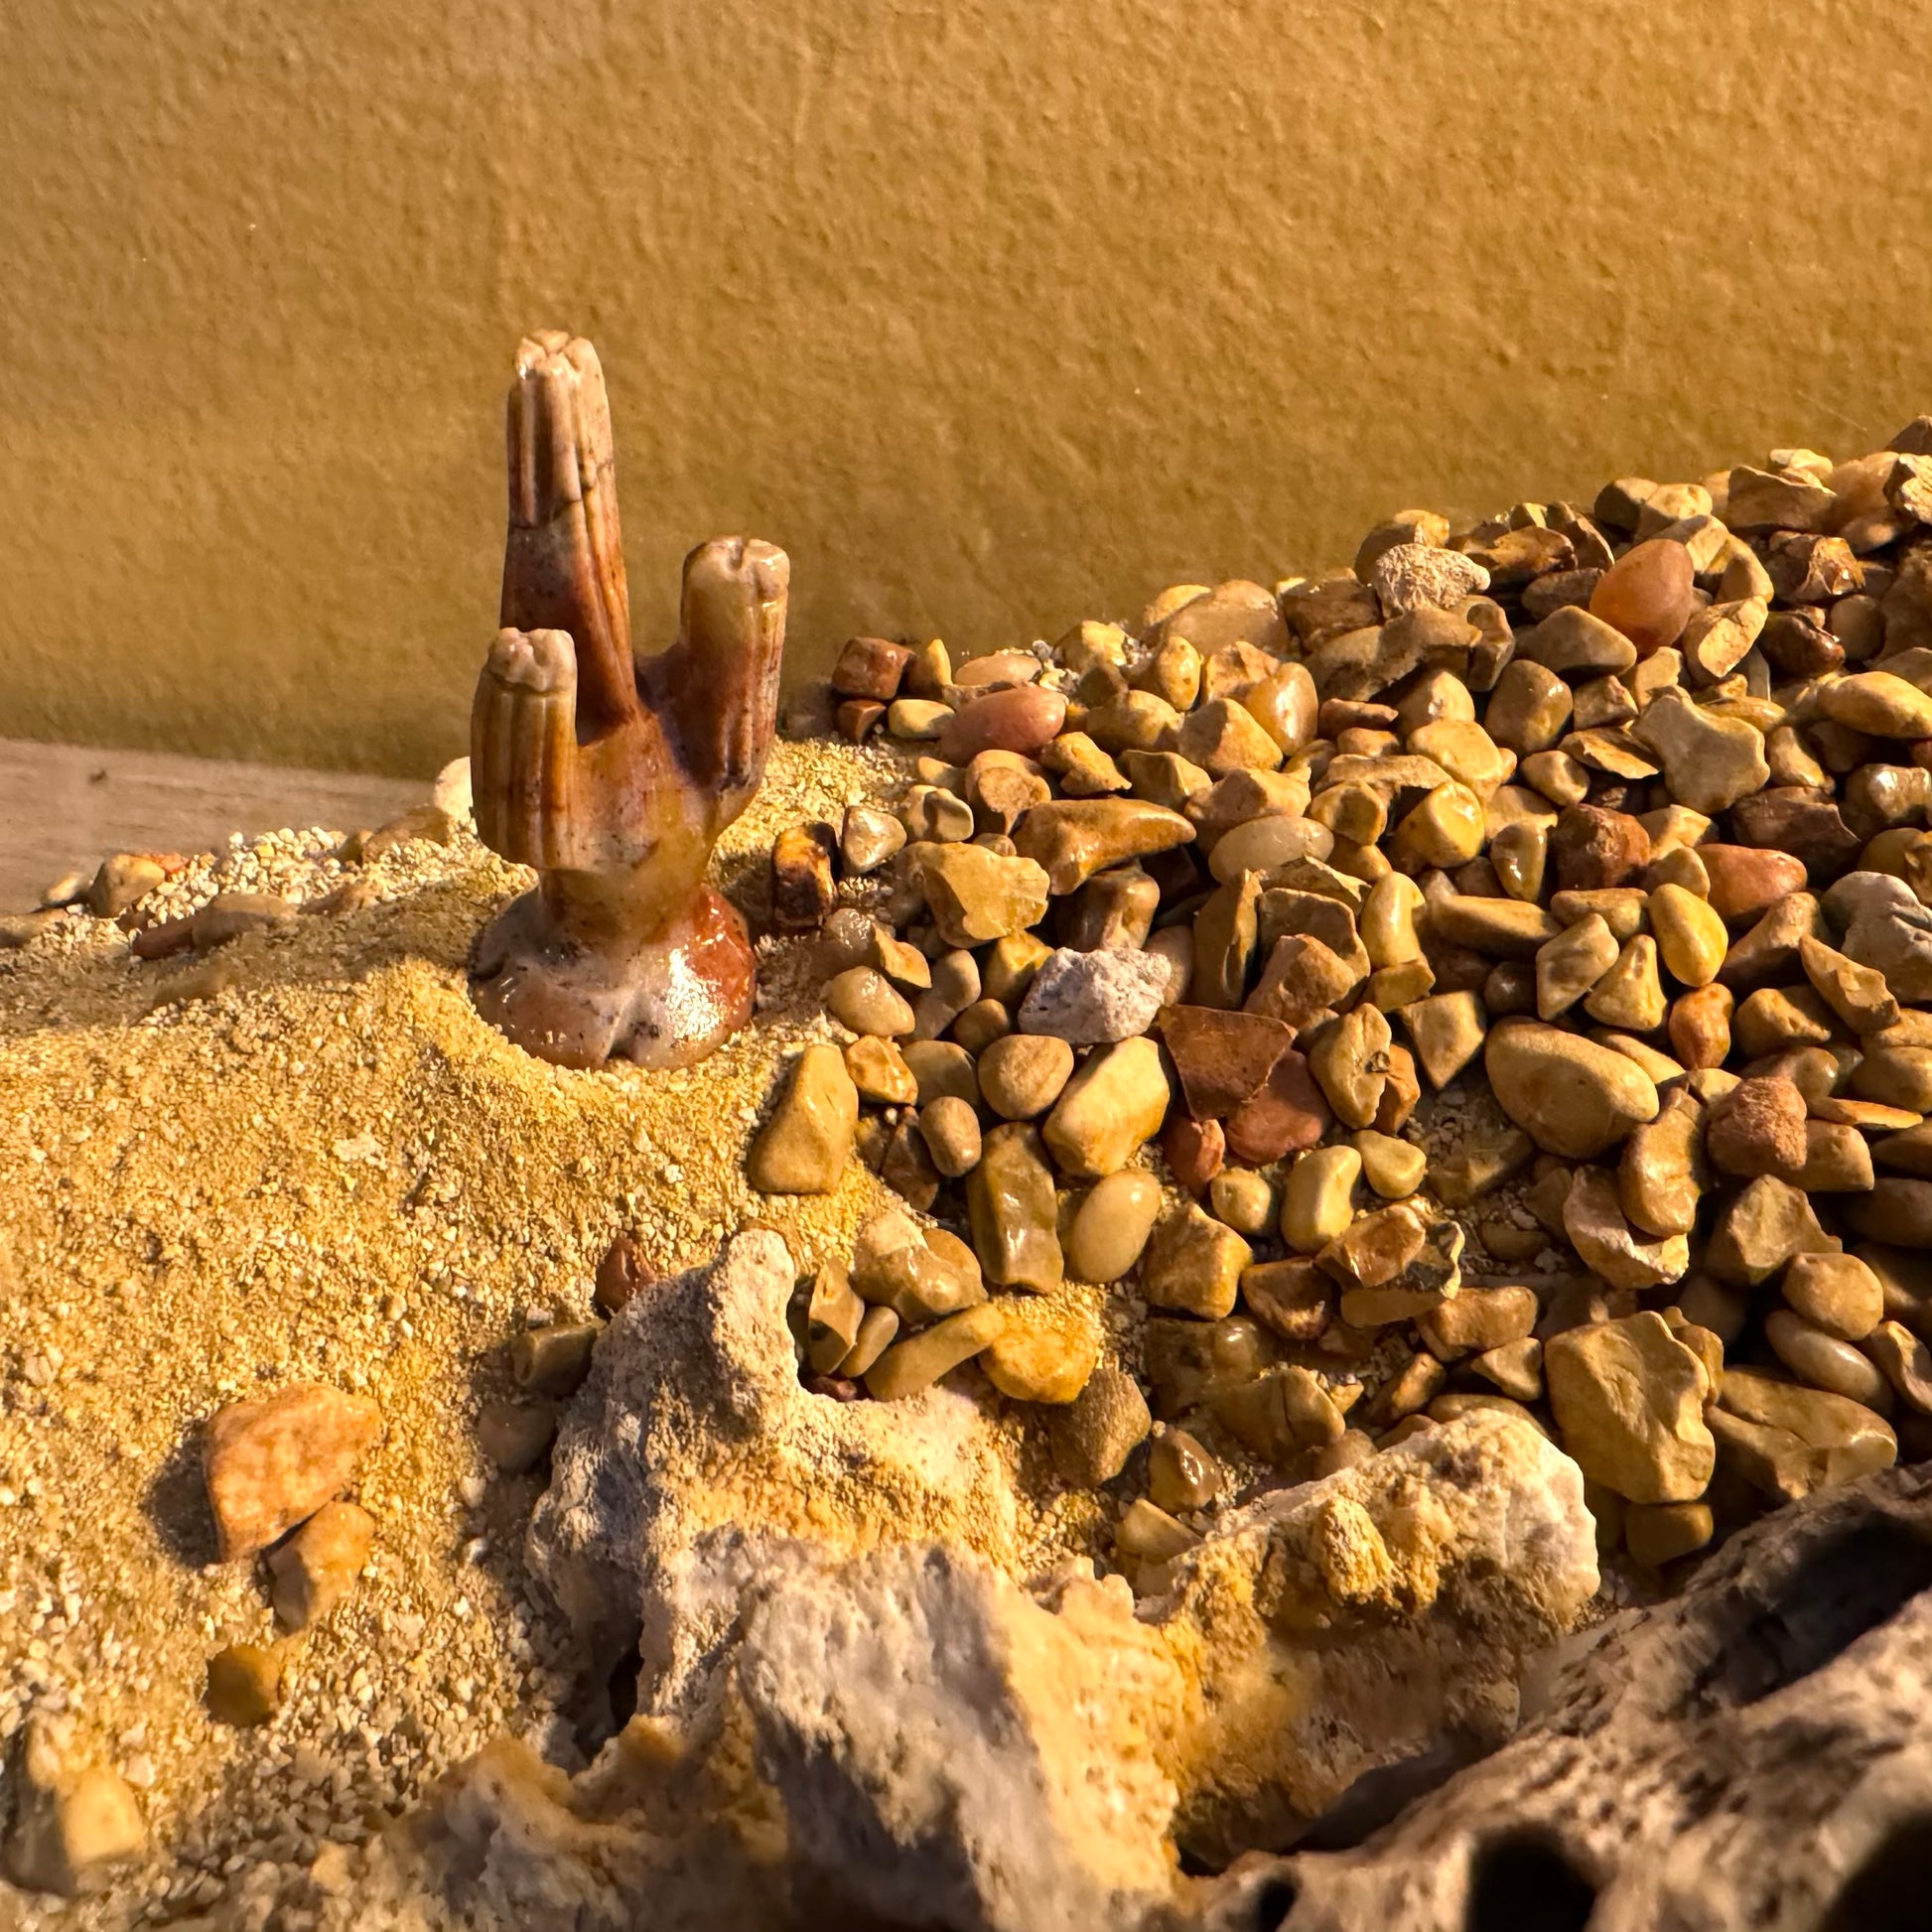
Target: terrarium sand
[{"x": 332, "y": 1169}]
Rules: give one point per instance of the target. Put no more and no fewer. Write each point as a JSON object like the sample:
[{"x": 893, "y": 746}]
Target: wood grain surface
[{"x": 64, "y": 807}]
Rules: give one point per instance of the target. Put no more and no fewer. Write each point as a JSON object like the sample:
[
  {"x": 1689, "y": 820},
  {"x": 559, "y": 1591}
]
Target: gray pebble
[{"x": 1085, "y": 998}]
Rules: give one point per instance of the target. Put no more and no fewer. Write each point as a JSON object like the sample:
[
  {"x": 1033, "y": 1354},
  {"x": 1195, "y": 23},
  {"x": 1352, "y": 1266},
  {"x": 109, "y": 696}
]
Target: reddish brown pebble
[
  {"x": 835, "y": 1386},
  {"x": 1746, "y": 881},
  {"x": 870, "y": 667},
  {"x": 1287, "y": 1114},
  {"x": 906, "y": 1167},
  {"x": 1700, "y": 1027},
  {"x": 1593, "y": 848},
  {"x": 1509, "y": 986},
  {"x": 1196, "y": 1151},
  {"x": 1025, "y": 719},
  {"x": 1221, "y": 1057},
  {"x": 859, "y": 718},
  {"x": 164, "y": 939},
  {"x": 620, "y": 1274},
  {"x": 1796, "y": 644},
  {"x": 1757, "y": 1128},
  {"x": 1647, "y": 594}
]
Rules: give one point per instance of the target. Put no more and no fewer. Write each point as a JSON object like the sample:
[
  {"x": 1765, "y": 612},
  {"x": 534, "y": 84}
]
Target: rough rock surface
[
  {"x": 694, "y": 1421},
  {"x": 1346, "y": 1624},
  {"x": 887, "y": 1732},
  {"x": 1087, "y": 998},
  {"x": 1752, "y": 1753}
]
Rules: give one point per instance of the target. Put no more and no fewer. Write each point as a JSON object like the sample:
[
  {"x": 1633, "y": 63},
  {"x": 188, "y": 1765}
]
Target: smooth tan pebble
[
  {"x": 863, "y": 999},
  {"x": 1112, "y": 1226},
  {"x": 1825, "y": 1362},
  {"x": 1393, "y": 1168},
  {"x": 1180, "y": 1473},
  {"x": 1316, "y": 1198},
  {"x": 1021, "y": 1074},
  {"x": 1838, "y": 1294},
  {"x": 1242, "y": 1199}
]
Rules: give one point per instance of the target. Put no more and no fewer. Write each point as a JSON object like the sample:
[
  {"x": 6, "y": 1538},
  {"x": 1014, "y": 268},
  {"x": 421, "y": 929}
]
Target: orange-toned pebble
[
  {"x": 1647, "y": 594},
  {"x": 1700, "y": 1027}
]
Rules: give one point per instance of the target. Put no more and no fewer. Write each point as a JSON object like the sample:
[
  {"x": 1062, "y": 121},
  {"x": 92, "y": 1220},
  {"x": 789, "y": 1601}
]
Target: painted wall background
[{"x": 994, "y": 313}]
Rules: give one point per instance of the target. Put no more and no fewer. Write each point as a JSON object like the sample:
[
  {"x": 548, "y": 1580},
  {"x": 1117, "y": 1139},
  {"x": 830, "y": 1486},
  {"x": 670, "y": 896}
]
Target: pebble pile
[
  {"x": 1495, "y": 976},
  {"x": 1516, "y": 947}
]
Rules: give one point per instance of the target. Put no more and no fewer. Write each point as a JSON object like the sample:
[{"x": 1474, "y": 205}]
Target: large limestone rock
[
  {"x": 946, "y": 1750},
  {"x": 1350, "y": 1623},
  {"x": 904, "y": 1739},
  {"x": 693, "y": 1421},
  {"x": 862, "y": 1703},
  {"x": 1752, "y": 1751}
]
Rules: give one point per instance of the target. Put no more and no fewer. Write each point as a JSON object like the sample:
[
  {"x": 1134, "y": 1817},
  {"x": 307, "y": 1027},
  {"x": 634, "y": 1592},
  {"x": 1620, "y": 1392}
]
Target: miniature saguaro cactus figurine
[{"x": 612, "y": 775}]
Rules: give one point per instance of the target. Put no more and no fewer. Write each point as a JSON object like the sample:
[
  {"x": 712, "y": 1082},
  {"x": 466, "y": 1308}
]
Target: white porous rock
[
  {"x": 1091, "y": 998},
  {"x": 1415, "y": 576},
  {"x": 908, "y": 1735},
  {"x": 950, "y": 1752},
  {"x": 693, "y": 1420},
  {"x": 901, "y": 1738}
]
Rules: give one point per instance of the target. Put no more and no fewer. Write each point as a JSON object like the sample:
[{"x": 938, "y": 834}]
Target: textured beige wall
[{"x": 995, "y": 313}]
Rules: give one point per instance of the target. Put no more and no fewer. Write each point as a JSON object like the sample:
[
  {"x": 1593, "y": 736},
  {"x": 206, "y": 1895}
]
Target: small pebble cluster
[{"x": 1553, "y": 885}]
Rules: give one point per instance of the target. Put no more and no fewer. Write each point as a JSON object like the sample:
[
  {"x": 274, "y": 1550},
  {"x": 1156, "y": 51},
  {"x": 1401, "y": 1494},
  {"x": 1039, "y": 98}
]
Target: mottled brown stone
[
  {"x": 870, "y": 667},
  {"x": 1593, "y": 848}
]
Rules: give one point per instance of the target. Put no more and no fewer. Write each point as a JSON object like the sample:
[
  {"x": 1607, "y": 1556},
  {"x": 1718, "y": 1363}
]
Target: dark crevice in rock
[
  {"x": 1839, "y": 1590},
  {"x": 1524, "y": 1882},
  {"x": 1274, "y": 1904},
  {"x": 1380, "y": 1796},
  {"x": 1888, "y": 1892},
  {"x": 622, "y": 1691},
  {"x": 609, "y": 1699}
]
